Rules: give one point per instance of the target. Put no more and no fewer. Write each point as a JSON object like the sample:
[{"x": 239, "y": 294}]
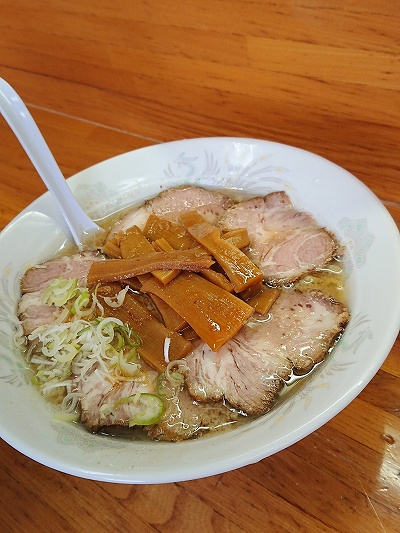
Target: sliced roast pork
[
  {"x": 66, "y": 267},
  {"x": 31, "y": 310},
  {"x": 284, "y": 243},
  {"x": 182, "y": 419},
  {"x": 249, "y": 370},
  {"x": 172, "y": 203},
  {"x": 100, "y": 395},
  {"x": 185, "y": 418}
]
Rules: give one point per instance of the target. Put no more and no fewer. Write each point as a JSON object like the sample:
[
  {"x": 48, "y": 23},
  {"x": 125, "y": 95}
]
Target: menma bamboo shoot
[
  {"x": 241, "y": 272},
  {"x": 215, "y": 314},
  {"x": 153, "y": 335}
]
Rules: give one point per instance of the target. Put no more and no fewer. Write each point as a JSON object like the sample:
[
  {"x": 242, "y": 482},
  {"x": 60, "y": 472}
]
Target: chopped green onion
[
  {"x": 176, "y": 378},
  {"x": 127, "y": 333},
  {"x": 166, "y": 383},
  {"x": 83, "y": 343},
  {"x": 147, "y": 408},
  {"x": 67, "y": 353},
  {"x": 117, "y": 300},
  {"x": 81, "y": 301},
  {"x": 62, "y": 416},
  {"x": 119, "y": 341},
  {"x": 59, "y": 291},
  {"x": 126, "y": 368},
  {"x": 128, "y": 399},
  {"x": 162, "y": 391},
  {"x": 150, "y": 409}
]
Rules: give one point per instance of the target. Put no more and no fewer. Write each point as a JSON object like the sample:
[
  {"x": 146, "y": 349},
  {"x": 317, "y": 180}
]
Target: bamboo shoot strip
[
  {"x": 240, "y": 270},
  {"x": 112, "y": 249},
  {"x": 214, "y": 314},
  {"x": 119, "y": 269},
  {"x": 175, "y": 234},
  {"x": 165, "y": 276},
  {"x": 217, "y": 278},
  {"x": 238, "y": 237},
  {"x": 170, "y": 317},
  {"x": 134, "y": 244},
  {"x": 262, "y": 302},
  {"x": 151, "y": 332}
]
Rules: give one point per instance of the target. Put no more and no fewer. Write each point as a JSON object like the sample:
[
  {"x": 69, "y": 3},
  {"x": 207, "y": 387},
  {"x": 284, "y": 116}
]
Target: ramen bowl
[{"x": 337, "y": 200}]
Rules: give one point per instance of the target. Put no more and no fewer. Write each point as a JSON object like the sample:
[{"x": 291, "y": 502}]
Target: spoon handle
[{"x": 21, "y": 122}]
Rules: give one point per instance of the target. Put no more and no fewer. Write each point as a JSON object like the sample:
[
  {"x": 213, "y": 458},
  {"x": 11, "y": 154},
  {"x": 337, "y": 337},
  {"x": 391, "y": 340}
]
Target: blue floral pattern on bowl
[{"x": 357, "y": 239}]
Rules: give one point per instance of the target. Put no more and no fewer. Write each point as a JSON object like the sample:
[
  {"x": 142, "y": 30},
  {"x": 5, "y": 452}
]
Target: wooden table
[{"x": 102, "y": 78}]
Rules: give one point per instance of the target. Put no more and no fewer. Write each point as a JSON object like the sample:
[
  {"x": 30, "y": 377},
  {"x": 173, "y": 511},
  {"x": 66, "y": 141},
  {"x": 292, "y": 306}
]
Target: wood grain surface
[{"x": 102, "y": 78}]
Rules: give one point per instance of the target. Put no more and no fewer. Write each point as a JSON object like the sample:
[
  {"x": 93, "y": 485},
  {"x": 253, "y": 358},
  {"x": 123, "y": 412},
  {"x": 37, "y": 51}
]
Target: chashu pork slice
[
  {"x": 183, "y": 417},
  {"x": 284, "y": 243},
  {"x": 100, "y": 394},
  {"x": 250, "y": 370},
  {"x": 170, "y": 204},
  {"x": 32, "y": 312},
  {"x": 67, "y": 267}
]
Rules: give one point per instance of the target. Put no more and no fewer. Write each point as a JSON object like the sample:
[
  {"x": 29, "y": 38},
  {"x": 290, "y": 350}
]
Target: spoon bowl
[{"x": 84, "y": 231}]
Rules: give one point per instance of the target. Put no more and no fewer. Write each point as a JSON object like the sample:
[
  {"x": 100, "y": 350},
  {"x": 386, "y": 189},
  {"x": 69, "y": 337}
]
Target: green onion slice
[{"x": 146, "y": 408}]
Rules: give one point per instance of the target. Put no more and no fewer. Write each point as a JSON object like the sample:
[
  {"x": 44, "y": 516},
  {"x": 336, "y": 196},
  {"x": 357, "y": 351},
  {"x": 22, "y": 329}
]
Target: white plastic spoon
[{"x": 84, "y": 231}]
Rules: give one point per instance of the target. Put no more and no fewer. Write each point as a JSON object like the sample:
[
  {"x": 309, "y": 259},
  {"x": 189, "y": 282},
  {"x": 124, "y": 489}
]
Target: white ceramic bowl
[{"x": 337, "y": 200}]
